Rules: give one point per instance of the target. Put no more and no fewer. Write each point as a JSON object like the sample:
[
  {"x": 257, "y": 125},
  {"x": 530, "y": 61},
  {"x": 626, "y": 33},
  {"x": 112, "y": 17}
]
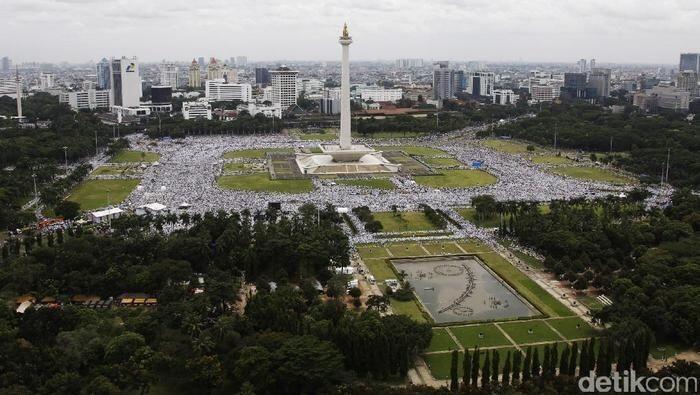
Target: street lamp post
[{"x": 65, "y": 157}]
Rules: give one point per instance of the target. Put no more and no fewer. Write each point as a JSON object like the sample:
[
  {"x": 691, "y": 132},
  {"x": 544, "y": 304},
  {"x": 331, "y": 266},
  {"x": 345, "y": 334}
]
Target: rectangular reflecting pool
[{"x": 462, "y": 289}]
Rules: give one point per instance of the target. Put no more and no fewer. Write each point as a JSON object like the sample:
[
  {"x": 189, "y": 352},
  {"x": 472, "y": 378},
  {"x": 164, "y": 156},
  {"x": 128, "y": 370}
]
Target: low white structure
[
  {"x": 196, "y": 110},
  {"x": 220, "y": 90},
  {"x": 378, "y": 93},
  {"x": 102, "y": 216},
  {"x": 87, "y": 100},
  {"x": 274, "y": 110},
  {"x": 151, "y": 208},
  {"x": 504, "y": 97}
]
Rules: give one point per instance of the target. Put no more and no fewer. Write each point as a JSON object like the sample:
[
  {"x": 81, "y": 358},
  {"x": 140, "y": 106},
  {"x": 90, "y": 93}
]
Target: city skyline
[{"x": 510, "y": 31}]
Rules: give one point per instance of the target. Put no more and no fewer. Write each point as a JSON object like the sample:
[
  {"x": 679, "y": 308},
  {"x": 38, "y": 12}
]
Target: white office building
[
  {"x": 8, "y": 87},
  {"x": 220, "y": 90},
  {"x": 169, "y": 75},
  {"x": 309, "y": 86},
  {"x": 274, "y": 110},
  {"x": 284, "y": 87},
  {"x": 543, "y": 93},
  {"x": 46, "y": 81},
  {"x": 87, "y": 100},
  {"x": 480, "y": 83},
  {"x": 504, "y": 97},
  {"x": 196, "y": 110},
  {"x": 378, "y": 93},
  {"x": 125, "y": 82}
]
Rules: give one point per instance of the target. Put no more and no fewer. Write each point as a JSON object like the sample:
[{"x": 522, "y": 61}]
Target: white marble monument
[{"x": 345, "y": 157}]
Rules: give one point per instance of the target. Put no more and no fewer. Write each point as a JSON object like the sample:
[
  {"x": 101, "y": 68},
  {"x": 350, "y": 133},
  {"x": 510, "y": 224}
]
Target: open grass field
[
  {"x": 473, "y": 246},
  {"x": 408, "y": 249},
  {"x": 413, "y": 150},
  {"x": 128, "y": 156},
  {"x": 372, "y": 183},
  {"x": 468, "y": 336},
  {"x": 328, "y": 136},
  {"x": 407, "y": 221},
  {"x": 519, "y": 332},
  {"x": 442, "y": 162},
  {"x": 409, "y": 308},
  {"x": 255, "y": 153},
  {"x": 507, "y": 146},
  {"x": 452, "y": 179},
  {"x": 592, "y": 174},
  {"x": 541, "y": 299},
  {"x": 572, "y": 327},
  {"x": 442, "y": 248},
  {"x": 392, "y": 135},
  {"x": 121, "y": 170},
  {"x": 551, "y": 160},
  {"x": 261, "y": 182},
  {"x": 92, "y": 194},
  {"x": 530, "y": 260},
  {"x": 439, "y": 364},
  {"x": 379, "y": 268},
  {"x": 441, "y": 341},
  {"x": 229, "y": 167}
]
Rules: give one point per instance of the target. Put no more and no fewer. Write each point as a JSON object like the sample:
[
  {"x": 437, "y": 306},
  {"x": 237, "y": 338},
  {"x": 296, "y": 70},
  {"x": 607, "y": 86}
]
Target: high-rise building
[
  {"x": 599, "y": 79},
  {"x": 262, "y": 76},
  {"x": 8, "y": 87},
  {"x": 582, "y": 66},
  {"x": 125, "y": 82},
  {"x": 161, "y": 94},
  {"x": 380, "y": 94},
  {"x": 592, "y": 64},
  {"x": 87, "y": 100},
  {"x": 666, "y": 97},
  {"x": 46, "y": 80},
  {"x": 504, "y": 97},
  {"x": 213, "y": 70},
  {"x": 196, "y": 110},
  {"x": 6, "y": 64},
  {"x": 480, "y": 83},
  {"x": 409, "y": 63},
  {"x": 459, "y": 82},
  {"x": 543, "y": 93},
  {"x": 443, "y": 79},
  {"x": 241, "y": 61},
  {"x": 228, "y": 74},
  {"x": 200, "y": 60},
  {"x": 284, "y": 86},
  {"x": 690, "y": 61},
  {"x": 195, "y": 77},
  {"x": 687, "y": 80},
  {"x": 220, "y": 90},
  {"x": 103, "y": 77},
  {"x": 575, "y": 86},
  {"x": 169, "y": 75}
]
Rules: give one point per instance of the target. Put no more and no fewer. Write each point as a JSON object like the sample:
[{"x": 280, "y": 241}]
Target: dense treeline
[
  {"x": 648, "y": 262},
  {"x": 646, "y": 138},
  {"x": 291, "y": 339},
  {"x": 24, "y": 152},
  {"x": 177, "y": 127}
]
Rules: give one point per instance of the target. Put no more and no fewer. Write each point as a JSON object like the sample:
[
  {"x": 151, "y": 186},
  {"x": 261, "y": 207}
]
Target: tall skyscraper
[
  {"x": 195, "y": 77},
  {"x": 241, "y": 61},
  {"x": 169, "y": 75},
  {"x": 103, "y": 78},
  {"x": 480, "y": 83},
  {"x": 599, "y": 79},
  {"x": 46, "y": 80},
  {"x": 592, "y": 64},
  {"x": 125, "y": 82},
  {"x": 687, "y": 80},
  {"x": 690, "y": 61},
  {"x": 284, "y": 86},
  {"x": 443, "y": 79},
  {"x": 262, "y": 76},
  {"x": 200, "y": 60},
  {"x": 582, "y": 66},
  {"x": 6, "y": 64},
  {"x": 213, "y": 70}
]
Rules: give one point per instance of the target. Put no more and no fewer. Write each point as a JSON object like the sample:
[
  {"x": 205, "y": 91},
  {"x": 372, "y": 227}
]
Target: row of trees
[{"x": 485, "y": 369}]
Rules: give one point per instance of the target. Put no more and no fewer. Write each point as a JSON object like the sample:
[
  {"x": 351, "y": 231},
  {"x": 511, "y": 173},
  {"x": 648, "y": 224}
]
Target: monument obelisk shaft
[{"x": 345, "y": 115}]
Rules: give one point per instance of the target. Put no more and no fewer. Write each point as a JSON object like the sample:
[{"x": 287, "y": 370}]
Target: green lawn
[
  {"x": 441, "y": 341},
  {"x": 254, "y": 153},
  {"x": 473, "y": 246},
  {"x": 439, "y": 364},
  {"x": 234, "y": 167},
  {"x": 443, "y": 248},
  {"x": 261, "y": 182},
  {"x": 508, "y": 146},
  {"x": 404, "y": 250},
  {"x": 518, "y": 331},
  {"x": 413, "y": 150},
  {"x": 468, "y": 336},
  {"x": 112, "y": 171},
  {"x": 551, "y": 160},
  {"x": 392, "y": 135},
  {"x": 530, "y": 260},
  {"x": 408, "y": 221},
  {"x": 592, "y": 174},
  {"x": 128, "y": 156},
  {"x": 379, "y": 268},
  {"x": 568, "y": 328},
  {"x": 372, "y": 251},
  {"x": 409, "y": 308},
  {"x": 373, "y": 183},
  {"x": 318, "y": 136},
  {"x": 442, "y": 162},
  {"x": 457, "y": 179},
  {"x": 92, "y": 194},
  {"x": 540, "y": 298}
]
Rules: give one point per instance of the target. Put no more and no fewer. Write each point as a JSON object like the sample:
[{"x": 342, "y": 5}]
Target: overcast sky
[{"x": 624, "y": 31}]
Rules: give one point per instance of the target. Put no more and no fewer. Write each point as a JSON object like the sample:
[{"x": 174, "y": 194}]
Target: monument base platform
[{"x": 333, "y": 160}]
